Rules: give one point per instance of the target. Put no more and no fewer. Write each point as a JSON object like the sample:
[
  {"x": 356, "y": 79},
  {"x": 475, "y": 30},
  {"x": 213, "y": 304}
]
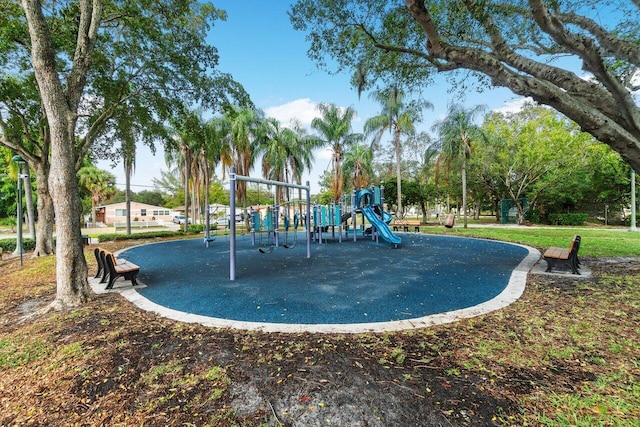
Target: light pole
[{"x": 19, "y": 250}]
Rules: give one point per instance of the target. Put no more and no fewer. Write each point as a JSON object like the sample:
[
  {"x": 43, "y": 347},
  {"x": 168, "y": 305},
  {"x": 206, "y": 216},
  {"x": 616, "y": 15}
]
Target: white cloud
[
  {"x": 303, "y": 110},
  {"x": 514, "y": 105},
  {"x": 324, "y": 154}
]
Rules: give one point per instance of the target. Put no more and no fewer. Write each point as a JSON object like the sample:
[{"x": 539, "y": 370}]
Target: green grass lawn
[{"x": 595, "y": 241}]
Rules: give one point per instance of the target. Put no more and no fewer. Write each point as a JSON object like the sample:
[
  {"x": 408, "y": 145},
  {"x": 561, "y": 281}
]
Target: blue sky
[{"x": 259, "y": 48}]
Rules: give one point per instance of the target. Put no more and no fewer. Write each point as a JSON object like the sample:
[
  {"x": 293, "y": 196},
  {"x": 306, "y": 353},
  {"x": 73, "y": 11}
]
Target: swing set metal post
[
  {"x": 276, "y": 225},
  {"x": 354, "y": 216},
  {"x": 232, "y": 203},
  {"x": 252, "y": 225}
]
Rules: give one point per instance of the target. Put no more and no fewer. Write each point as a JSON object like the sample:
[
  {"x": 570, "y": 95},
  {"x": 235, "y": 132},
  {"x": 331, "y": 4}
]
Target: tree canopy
[
  {"x": 85, "y": 64},
  {"x": 565, "y": 54}
]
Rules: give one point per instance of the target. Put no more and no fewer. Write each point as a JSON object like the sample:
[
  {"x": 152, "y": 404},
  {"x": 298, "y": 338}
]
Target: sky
[{"x": 259, "y": 48}]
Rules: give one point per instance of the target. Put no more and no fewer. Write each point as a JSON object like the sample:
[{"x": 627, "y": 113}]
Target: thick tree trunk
[
  {"x": 60, "y": 104},
  {"x": 71, "y": 267},
  {"x": 28, "y": 198},
  {"x": 44, "y": 225}
]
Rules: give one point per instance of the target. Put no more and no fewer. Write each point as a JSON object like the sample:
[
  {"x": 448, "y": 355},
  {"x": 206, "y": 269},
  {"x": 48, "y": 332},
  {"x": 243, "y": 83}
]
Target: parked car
[
  {"x": 180, "y": 219},
  {"x": 224, "y": 221}
]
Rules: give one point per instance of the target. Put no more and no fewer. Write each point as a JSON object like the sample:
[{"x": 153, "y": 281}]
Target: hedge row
[
  {"x": 9, "y": 245},
  {"x": 568, "y": 218},
  {"x": 111, "y": 237}
]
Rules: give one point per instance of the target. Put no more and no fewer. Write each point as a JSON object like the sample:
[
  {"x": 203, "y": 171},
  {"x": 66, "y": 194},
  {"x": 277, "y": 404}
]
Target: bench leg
[
  {"x": 574, "y": 267},
  {"x": 132, "y": 277},
  {"x": 111, "y": 281},
  {"x": 550, "y": 264}
]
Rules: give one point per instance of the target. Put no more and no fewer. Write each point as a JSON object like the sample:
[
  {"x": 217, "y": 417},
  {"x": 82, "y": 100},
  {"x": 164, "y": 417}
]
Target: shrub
[
  {"x": 111, "y": 237},
  {"x": 11, "y": 222},
  {"x": 533, "y": 215},
  {"x": 568, "y": 218},
  {"x": 199, "y": 228},
  {"x": 9, "y": 245}
]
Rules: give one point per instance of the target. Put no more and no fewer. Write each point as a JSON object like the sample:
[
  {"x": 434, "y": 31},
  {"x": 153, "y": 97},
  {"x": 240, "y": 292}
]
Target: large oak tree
[
  {"x": 579, "y": 57},
  {"x": 91, "y": 60}
]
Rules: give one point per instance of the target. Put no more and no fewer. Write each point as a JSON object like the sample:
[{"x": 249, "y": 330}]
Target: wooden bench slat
[{"x": 559, "y": 253}]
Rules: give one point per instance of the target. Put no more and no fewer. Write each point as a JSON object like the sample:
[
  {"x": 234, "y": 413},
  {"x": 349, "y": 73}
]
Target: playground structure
[
  {"x": 369, "y": 202},
  {"x": 269, "y": 223}
]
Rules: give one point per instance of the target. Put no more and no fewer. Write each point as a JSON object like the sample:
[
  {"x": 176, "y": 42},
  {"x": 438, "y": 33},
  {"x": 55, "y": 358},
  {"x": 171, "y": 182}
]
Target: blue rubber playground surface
[{"x": 359, "y": 282}]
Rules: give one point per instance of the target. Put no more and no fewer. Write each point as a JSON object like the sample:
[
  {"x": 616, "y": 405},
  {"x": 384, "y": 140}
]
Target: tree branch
[
  {"x": 90, "y": 16},
  {"x": 589, "y": 52}
]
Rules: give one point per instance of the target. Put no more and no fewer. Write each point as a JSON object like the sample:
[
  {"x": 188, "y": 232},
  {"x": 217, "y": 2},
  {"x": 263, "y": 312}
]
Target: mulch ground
[{"x": 109, "y": 363}]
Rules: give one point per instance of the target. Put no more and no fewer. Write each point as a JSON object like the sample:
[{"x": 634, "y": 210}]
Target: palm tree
[
  {"x": 273, "y": 142},
  {"x": 286, "y": 152},
  {"x": 358, "y": 161},
  {"x": 99, "y": 183},
  {"x": 188, "y": 131},
  {"x": 457, "y": 133},
  {"x": 238, "y": 149},
  {"x": 301, "y": 152},
  {"x": 426, "y": 168},
  {"x": 128, "y": 148},
  {"x": 399, "y": 118},
  {"x": 335, "y": 131},
  {"x": 208, "y": 158}
]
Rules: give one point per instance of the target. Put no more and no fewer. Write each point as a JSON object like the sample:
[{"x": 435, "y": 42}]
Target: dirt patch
[{"x": 109, "y": 363}]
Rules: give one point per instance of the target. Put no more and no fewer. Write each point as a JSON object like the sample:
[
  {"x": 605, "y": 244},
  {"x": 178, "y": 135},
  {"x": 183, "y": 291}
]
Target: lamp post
[{"x": 19, "y": 250}]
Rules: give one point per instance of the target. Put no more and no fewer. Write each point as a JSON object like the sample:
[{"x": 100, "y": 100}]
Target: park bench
[
  {"x": 405, "y": 225},
  {"x": 564, "y": 256},
  {"x": 111, "y": 268}
]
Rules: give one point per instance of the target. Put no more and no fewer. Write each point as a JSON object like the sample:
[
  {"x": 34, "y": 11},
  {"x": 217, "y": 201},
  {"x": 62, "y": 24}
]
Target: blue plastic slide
[
  {"x": 383, "y": 229},
  {"x": 387, "y": 217}
]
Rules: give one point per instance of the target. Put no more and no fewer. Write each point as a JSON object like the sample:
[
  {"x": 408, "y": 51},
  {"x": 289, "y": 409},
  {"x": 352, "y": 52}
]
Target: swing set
[
  {"x": 263, "y": 226},
  {"x": 287, "y": 224},
  {"x": 267, "y": 225}
]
